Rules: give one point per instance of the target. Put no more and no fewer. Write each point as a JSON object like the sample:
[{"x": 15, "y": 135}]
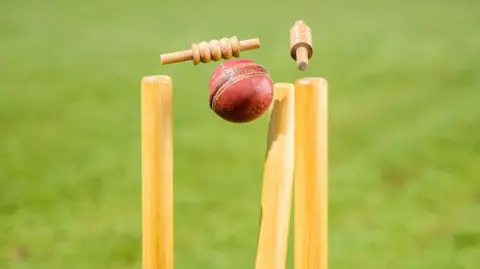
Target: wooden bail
[
  {"x": 301, "y": 44},
  {"x": 214, "y": 50}
]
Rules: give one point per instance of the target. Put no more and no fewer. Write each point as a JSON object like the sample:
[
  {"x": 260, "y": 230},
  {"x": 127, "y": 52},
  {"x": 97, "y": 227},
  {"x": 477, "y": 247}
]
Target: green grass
[{"x": 404, "y": 131}]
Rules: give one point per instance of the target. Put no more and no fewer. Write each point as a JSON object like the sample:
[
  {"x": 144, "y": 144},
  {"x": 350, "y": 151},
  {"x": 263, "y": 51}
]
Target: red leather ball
[{"x": 240, "y": 90}]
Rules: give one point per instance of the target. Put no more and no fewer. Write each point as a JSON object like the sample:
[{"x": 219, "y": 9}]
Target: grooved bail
[{"x": 215, "y": 50}]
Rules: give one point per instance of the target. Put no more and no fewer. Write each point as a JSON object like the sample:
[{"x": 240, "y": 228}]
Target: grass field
[{"x": 404, "y": 131}]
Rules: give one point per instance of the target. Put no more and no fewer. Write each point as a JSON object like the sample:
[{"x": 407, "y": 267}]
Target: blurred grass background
[{"x": 404, "y": 130}]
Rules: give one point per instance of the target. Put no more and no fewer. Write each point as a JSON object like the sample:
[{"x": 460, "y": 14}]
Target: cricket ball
[{"x": 240, "y": 90}]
